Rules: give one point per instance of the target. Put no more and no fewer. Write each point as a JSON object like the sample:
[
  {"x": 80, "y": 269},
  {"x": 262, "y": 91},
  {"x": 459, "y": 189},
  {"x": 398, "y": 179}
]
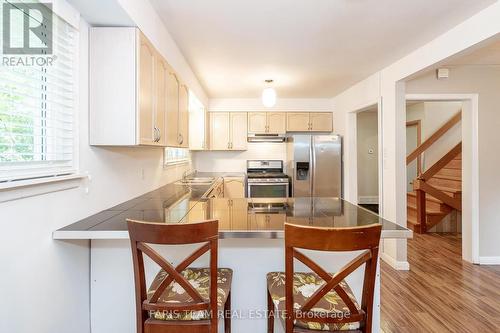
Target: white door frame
[
  {"x": 352, "y": 151},
  {"x": 470, "y": 168}
]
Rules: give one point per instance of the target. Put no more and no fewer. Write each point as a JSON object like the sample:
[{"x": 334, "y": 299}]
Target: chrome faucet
[{"x": 187, "y": 173}]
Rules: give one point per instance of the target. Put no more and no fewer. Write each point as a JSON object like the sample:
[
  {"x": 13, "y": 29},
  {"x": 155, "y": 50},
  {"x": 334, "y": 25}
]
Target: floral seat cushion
[
  {"x": 199, "y": 278},
  {"x": 304, "y": 285}
]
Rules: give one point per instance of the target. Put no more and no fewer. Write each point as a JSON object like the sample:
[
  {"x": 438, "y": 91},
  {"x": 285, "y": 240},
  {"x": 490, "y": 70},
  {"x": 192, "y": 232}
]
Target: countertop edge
[{"x": 264, "y": 234}]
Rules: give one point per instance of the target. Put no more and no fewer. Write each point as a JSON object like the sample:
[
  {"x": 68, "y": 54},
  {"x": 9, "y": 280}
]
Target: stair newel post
[{"x": 421, "y": 211}]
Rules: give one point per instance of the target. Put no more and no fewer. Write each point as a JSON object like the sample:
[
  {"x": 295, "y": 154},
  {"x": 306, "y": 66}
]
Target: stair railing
[{"x": 420, "y": 186}]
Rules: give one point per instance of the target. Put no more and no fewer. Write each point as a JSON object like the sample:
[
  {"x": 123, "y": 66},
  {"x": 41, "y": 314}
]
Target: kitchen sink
[{"x": 196, "y": 181}]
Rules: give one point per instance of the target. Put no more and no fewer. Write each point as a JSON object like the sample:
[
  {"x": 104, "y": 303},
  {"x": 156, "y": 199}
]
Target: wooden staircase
[{"x": 438, "y": 190}]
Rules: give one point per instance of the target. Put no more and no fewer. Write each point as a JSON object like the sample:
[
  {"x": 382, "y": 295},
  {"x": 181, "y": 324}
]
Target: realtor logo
[{"x": 27, "y": 28}]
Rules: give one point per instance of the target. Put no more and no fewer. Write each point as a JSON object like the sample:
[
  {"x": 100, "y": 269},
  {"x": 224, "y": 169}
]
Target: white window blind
[
  {"x": 176, "y": 156},
  {"x": 37, "y": 110}
]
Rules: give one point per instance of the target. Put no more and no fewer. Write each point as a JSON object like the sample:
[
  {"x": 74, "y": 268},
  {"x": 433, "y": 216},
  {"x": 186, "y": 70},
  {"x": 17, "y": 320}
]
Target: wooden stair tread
[
  {"x": 447, "y": 189},
  {"x": 446, "y": 177},
  {"x": 428, "y": 211},
  {"x": 428, "y": 197}
]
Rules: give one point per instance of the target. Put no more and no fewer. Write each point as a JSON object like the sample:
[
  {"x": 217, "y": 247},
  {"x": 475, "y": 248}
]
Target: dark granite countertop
[{"x": 238, "y": 218}]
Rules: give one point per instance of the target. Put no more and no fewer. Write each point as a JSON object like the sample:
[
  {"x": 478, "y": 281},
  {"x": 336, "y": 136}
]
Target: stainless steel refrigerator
[{"x": 314, "y": 164}]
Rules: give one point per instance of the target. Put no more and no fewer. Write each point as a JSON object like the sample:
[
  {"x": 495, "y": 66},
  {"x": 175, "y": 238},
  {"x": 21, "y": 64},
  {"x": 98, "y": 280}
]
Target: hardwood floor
[{"x": 441, "y": 293}]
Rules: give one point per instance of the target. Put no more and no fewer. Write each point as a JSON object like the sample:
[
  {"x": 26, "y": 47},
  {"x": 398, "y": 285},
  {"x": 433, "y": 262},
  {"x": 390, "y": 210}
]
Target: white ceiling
[{"x": 311, "y": 48}]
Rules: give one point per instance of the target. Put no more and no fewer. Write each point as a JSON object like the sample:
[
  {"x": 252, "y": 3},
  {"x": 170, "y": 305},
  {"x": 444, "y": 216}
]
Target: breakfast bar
[{"x": 251, "y": 244}]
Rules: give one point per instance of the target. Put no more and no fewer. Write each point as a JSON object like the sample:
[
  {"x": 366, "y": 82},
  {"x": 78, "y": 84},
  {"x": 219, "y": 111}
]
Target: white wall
[
  {"x": 45, "y": 283},
  {"x": 387, "y": 87},
  {"x": 367, "y": 141},
  {"x": 485, "y": 81}
]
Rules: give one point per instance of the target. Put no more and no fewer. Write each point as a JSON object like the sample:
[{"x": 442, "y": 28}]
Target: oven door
[{"x": 267, "y": 190}]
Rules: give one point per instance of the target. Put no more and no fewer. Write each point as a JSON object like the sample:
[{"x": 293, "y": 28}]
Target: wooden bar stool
[
  {"x": 180, "y": 299},
  {"x": 319, "y": 301}
]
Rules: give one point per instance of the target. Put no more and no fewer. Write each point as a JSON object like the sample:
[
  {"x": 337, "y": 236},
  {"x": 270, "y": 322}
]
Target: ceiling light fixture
[{"x": 269, "y": 95}]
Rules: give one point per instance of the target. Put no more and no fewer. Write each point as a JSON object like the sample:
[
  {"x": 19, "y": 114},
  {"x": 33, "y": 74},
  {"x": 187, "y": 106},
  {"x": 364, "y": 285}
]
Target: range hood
[{"x": 266, "y": 137}]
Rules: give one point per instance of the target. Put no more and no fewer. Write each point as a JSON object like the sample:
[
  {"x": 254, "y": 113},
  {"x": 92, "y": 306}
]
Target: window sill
[
  {"x": 27, "y": 188},
  {"x": 173, "y": 163}
]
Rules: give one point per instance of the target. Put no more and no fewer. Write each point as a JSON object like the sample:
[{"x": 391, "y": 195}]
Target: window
[
  {"x": 37, "y": 105},
  {"x": 176, "y": 155}
]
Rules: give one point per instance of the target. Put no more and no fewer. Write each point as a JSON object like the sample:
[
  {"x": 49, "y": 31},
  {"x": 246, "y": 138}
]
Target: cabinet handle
[
  {"x": 155, "y": 134},
  {"x": 228, "y": 145},
  {"x": 180, "y": 139},
  {"x": 231, "y": 145}
]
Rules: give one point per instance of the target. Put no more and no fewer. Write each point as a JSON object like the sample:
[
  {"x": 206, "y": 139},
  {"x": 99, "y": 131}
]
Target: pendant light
[{"x": 269, "y": 95}]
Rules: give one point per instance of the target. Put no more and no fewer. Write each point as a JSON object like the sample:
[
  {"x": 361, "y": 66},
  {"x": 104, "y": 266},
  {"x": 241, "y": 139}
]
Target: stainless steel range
[{"x": 266, "y": 179}]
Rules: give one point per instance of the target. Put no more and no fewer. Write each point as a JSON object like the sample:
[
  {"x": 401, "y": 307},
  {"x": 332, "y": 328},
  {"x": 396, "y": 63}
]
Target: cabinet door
[
  {"x": 321, "y": 122},
  {"x": 238, "y": 130},
  {"x": 257, "y": 122},
  {"x": 183, "y": 136},
  {"x": 172, "y": 123},
  {"x": 220, "y": 210},
  {"x": 146, "y": 103},
  {"x": 219, "y": 130},
  {"x": 297, "y": 122},
  {"x": 276, "y": 122},
  {"x": 234, "y": 187},
  {"x": 197, "y": 128},
  {"x": 161, "y": 74},
  {"x": 239, "y": 214}
]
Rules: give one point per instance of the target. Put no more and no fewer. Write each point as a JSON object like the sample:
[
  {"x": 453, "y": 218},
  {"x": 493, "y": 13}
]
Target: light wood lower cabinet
[
  {"x": 234, "y": 187},
  {"x": 228, "y": 130},
  {"x": 267, "y": 221},
  {"x": 231, "y": 213}
]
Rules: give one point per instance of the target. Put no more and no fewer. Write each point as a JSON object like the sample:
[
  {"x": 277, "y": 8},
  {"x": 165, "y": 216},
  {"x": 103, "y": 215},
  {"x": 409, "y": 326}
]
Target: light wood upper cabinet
[
  {"x": 134, "y": 93},
  {"x": 276, "y": 122},
  {"x": 257, "y": 122},
  {"x": 228, "y": 130},
  {"x": 234, "y": 187},
  {"x": 219, "y": 131},
  {"x": 321, "y": 121},
  {"x": 198, "y": 126},
  {"x": 297, "y": 122},
  {"x": 238, "y": 130},
  {"x": 183, "y": 130},
  {"x": 147, "y": 133},
  {"x": 267, "y": 122},
  {"x": 309, "y": 122},
  {"x": 161, "y": 74},
  {"x": 172, "y": 109}
]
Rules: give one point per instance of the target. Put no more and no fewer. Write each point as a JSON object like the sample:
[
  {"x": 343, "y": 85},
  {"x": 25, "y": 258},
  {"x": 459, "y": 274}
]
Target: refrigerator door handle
[{"x": 313, "y": 165}]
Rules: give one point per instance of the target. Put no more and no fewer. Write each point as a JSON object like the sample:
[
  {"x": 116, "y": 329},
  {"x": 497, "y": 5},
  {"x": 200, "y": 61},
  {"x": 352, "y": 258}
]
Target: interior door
[
  {"x": 146, "y": 103},
  {"x": 321, "y": 122},
  {"x": 276, "y": 122},
  {"x": 172, "y": 123},
  {"x": 183, "y": 135},
  {"x": 257, "y": 122},
  {"x": 297, "y": 121},
  {"x": 327, "y": 165},
  {"x": 219, "y": 130},
  {"x": 161, "y": 70},
  {"x": 238, "y": 129}
]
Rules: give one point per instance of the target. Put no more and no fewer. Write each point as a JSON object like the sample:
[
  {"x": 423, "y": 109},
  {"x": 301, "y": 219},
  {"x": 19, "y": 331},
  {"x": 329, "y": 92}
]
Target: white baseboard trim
[
  {"x": 397, "y": 265},
  {"x": 489, "y": 260},
  {"x": 368, "y": 200}
]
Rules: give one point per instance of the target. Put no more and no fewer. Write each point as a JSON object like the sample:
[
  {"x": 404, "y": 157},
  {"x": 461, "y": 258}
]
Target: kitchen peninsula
[{"x": 251, "y": 232}]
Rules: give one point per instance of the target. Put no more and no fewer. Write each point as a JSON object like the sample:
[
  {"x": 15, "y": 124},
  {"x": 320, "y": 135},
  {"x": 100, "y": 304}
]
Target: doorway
[{"x": 367, "y": 141}]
